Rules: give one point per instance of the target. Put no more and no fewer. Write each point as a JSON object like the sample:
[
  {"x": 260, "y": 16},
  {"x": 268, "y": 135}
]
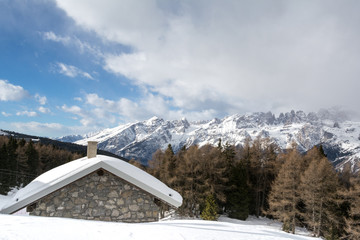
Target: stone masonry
[{"x": 99, "y": 196}]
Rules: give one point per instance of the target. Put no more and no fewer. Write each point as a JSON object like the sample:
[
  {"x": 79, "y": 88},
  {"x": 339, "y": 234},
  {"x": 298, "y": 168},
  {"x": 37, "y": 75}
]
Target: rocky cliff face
[{"x": 339, "y": 137}]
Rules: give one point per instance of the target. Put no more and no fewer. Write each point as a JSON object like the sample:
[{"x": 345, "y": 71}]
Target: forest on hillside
[
  {"x": 260, "y": 179},
  {"x": 21, "y": 161}
]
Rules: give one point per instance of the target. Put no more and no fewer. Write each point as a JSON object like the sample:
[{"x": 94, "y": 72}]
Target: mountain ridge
[{"x": 339, "y": 136}]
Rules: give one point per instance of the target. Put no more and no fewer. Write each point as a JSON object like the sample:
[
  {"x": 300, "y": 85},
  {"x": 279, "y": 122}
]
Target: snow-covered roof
[{"x": 63, "y": 175}]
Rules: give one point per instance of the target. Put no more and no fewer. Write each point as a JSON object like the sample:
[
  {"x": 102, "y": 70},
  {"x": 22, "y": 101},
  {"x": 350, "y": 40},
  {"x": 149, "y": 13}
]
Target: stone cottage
[{"x": 95, "y": 187}]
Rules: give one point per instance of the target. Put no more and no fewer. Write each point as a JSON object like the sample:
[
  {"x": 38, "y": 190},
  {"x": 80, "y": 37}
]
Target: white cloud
[
  {"x": 72, "y": 71},
  {"x": 10, "y": 92},
  {"x": 79, "y": 99},
  {"x": 27, "y": 113},
  {"x": 41, "y": 129},
  {"x": 41, "y": 99},
  {"x": 5, "y": 114},
  {"x": 97, "y": 112},
  {"x": 46, "y": 129},
  {"x": 53, "y": 37},
  {"x": 86, "y": 117},
  {"x": 37, "y": 127},
  {"x": 74, "y": 110},
  {"x": 44, "y": 110},
  {"x": 72, "y": 41},
  {"x": 215, "y": 56}
]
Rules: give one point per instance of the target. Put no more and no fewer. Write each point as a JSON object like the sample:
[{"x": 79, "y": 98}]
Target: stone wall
[{"x": 99, "y": 196}]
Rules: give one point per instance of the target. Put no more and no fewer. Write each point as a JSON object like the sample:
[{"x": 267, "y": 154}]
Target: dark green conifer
[
  {"x": 32, "y": 158},
  {"x": 238, "y": 194},
  {"x": 4, "y": 166}
]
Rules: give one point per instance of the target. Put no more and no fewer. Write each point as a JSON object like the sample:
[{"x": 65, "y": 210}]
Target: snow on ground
[
  {"x": 38, "y": 228},
  {"x": 20, "y": 226}
]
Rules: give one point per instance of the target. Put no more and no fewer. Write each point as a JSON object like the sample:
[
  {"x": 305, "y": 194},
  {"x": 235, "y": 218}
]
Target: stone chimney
[{"x": 91, "y": 149}]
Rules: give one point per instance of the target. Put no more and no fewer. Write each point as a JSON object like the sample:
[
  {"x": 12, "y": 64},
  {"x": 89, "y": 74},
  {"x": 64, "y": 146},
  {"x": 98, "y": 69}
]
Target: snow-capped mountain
[{"x": 339, "y": 137}]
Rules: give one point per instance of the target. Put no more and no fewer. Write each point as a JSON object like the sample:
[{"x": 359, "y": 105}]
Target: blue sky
[{"x": 71, "y": 67}]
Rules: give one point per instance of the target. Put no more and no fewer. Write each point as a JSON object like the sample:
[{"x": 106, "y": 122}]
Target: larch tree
[
  {"x": 319, "y": 184},
  {"x": 156, "y": 165},
  {"x": 262, "y": 172},
  {"x": 284, "y": 195},
  {"x": 190, "y": 185},
  {"x": 213, "y": 173},
  {"x": 353, "y": 222}
]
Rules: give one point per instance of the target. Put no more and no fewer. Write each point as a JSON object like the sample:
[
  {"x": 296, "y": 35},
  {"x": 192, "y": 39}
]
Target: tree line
[
  {"x": 260, "y": 179},
  {"x": 21, "y": 161}
]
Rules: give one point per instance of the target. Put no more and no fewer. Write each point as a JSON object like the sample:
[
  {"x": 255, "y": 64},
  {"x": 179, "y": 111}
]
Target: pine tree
[
  {"x": 12, "y": 161},
  {"x": 12, "y": 156},
  {"x": 170, "y": 165},
  {"x": 4, "y": 166},
  {"x": 284, "y": 196},
  {"x": 32, "y": 158},
  {"x": 210, "y": 210},
  {"x": 229, "y": 154},
  {"x": 238, "y": 194}
]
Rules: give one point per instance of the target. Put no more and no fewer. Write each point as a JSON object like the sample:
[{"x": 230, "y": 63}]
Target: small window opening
[{"x": 100, "y": 172}]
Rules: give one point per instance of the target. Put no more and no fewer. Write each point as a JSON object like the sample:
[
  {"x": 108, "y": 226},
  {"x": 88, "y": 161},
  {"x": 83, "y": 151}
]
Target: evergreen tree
[
  {"x": 22, "y": 168},
  {"x": 238, "y": 194},
  {"x": 219, "y": 146},
  {"x": 4, "y": 166},
  {"x": 32, "y": 158},
  {"x": 210, "y": 210},
  {"x": 22, "y": 142},
  {"x": 229, "y": 154},
  {"x": 170, "y": 161},
  {"x": 19, "y": 161},
  {"x": 12, "y": 161},
  {"x": 11, "y": 150}
]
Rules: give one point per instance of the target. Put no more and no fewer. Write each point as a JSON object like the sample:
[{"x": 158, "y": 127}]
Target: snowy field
[
  {"x": 20, "y": 226},
  {"x": 24, "y": 227}
]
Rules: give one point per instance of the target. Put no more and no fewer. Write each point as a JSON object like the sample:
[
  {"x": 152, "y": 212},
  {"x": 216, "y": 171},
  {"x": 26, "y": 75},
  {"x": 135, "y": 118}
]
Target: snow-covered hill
[{"x": 339, "y": 136}]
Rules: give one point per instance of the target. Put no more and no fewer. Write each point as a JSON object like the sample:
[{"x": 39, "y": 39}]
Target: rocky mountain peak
[{"x": 339, "y": 136}]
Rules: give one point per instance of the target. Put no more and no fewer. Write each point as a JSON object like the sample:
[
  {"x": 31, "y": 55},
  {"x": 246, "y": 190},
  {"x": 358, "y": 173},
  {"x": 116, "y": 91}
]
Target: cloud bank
[{"x": 232, "y": 56}]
